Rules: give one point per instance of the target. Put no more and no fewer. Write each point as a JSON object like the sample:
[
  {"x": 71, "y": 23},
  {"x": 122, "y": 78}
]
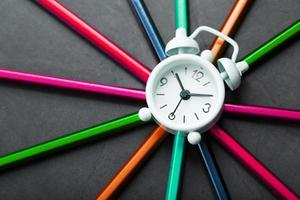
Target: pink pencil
[
  {"x": 72, "y": 84},
  {"x": 260, "y": 111},
  {"x": 250, "y": 162},
  {"x": 247, "y": 110}
]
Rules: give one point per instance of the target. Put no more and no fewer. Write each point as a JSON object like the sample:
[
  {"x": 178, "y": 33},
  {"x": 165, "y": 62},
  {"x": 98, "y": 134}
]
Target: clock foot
[
  {"x": 145, "y": 114},
  {"x": 194, "y": 138}
]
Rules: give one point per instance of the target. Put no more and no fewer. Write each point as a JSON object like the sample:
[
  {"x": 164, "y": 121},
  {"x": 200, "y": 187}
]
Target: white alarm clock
[{"x": 185, "y": 92}]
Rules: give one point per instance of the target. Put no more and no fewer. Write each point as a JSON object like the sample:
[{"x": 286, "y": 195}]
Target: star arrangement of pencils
[{"x": 142, "y": 72}]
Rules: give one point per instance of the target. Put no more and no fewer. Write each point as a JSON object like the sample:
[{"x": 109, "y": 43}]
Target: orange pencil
[
  {"x": 111, "y": 189},
  {"x": 229, "y": 25}
]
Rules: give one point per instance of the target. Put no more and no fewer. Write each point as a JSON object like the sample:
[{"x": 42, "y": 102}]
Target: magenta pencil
[
  {"x": 72, "y": 84},
  {"x": 260, "y": 111},
  {"x": 247, "y": 110},
  {"x": 252, "y": 164}
]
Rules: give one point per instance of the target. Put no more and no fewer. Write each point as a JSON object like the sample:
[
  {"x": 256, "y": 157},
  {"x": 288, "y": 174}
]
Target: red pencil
[{"x": 102, "y": 42}]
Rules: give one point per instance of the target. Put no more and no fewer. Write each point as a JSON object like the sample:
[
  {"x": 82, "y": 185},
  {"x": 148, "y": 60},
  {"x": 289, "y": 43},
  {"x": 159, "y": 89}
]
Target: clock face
[{"x": 185, "y": 93}]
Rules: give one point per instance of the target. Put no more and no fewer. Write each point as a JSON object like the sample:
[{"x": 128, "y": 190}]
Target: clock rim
[{"x": 202, "y": 126}]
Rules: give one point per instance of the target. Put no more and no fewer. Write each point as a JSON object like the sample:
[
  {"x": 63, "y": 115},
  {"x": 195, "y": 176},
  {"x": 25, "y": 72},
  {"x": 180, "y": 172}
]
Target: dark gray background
[{"x": 31, "y": 40}]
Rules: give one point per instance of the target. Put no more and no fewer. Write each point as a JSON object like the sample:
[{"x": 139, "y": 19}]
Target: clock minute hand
[
  {"x": 179, "y": 81},
  {"x": 200, "y": 95}
]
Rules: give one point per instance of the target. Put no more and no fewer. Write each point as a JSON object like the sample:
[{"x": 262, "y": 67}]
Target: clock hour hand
[
  {"x": 179, "y": 81},
  {"x": 200, "y": 95}
]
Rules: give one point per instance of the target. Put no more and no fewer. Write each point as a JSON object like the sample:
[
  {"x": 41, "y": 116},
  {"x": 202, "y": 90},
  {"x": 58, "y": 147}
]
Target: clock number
[
  {"x": 197, "y": 75},
  {"x": 163, "y": 81},
  {"x": 171, "y": 116},
  {"x": 206, "y": 108}
]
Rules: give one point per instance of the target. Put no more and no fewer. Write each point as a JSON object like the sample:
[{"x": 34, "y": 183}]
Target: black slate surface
[{"x": 32, "y": 40}]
